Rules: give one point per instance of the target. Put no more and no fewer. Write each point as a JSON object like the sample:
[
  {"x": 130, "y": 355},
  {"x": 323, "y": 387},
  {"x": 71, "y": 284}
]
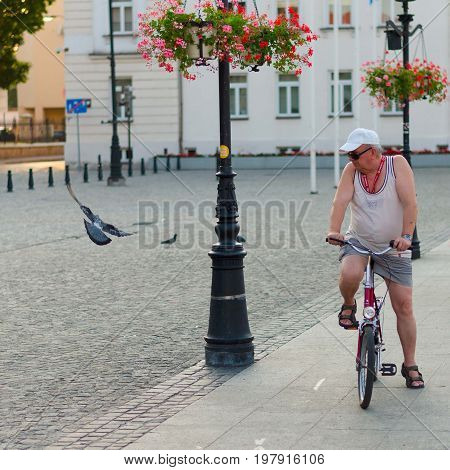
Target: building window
[
  {"x": 390, "y": 9},
  {"x": 283, "y": 7},
  {"x": 288, "y": 95},
  {"x": 344, "y": 12},
  {"x": 12, "y": 98},
  {"x": 238, "y": 96},
  {"x": 122, "y": 16},
  {"x": 344, "y": 93},
  {"x": 394, "y": 108},
  {"x": 121, "y": 83}
]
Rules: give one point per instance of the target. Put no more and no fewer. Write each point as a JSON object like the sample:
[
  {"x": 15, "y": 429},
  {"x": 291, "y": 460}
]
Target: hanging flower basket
[
  {"x": 393, "y": 82},
  {"x": 170, "y": 35}
]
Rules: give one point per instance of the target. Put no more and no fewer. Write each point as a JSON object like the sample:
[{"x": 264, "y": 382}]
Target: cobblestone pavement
[{"x": 102, "y": 343}]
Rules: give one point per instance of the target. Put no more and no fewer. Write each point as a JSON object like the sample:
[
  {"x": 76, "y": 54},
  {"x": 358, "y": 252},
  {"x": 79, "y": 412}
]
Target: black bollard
[
  {"x": 100, "y": 169},
  {"x": 130, "y": 167},
  {"x": 10, "y": 183},
  {"x": 50, "y": 177},
  {"x": 85, "y": 174},
  {"x": 167, "y": 160},
  {"x": 155, "y": 165},
  {"x": 142, "y": 166},
  {"x": 30, "y": 179},
  {"x": 67, "y": 177},
  {"x": 178, "y": 163}
]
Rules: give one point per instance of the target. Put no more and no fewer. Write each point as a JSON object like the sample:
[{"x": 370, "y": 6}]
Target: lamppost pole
[
  {"x": 115, "y": 178},
  {"x": 128, "y": 99},
  {"x": 406, "y": 19},
  {"x": 229, "y": 341}
]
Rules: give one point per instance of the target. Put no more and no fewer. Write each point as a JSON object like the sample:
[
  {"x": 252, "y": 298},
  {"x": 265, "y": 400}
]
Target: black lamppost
[
  {"x": 115, "y": 178},
  {"x": 126, "y": 100},
  {"x": 229, "y": 341},
  {"x": 395, "y": 36}
]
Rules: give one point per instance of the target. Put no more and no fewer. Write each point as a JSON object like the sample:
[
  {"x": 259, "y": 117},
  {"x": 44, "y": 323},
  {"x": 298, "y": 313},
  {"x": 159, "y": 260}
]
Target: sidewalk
[{"x": 304, "y": 395}]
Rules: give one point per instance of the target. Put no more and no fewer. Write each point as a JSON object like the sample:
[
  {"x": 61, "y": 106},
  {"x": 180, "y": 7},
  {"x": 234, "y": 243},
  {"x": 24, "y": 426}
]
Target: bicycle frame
[{"x": 371, "y": 315}]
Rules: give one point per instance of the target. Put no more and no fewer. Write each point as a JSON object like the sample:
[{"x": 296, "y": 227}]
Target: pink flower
[
  {"x": 363, "y": 79},
  {"x": 386, "y": 77},
  {"x": 159, "y": 43},
  {"x": 227, "y": 28},
  {"x": 388, "y": 83},
  {"x": 378, "y": 79},
  {"x": 180, "y": 42}
]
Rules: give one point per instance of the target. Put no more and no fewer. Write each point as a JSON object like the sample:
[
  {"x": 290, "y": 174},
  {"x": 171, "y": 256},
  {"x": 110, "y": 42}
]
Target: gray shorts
[{"x": 391, "y": 266}]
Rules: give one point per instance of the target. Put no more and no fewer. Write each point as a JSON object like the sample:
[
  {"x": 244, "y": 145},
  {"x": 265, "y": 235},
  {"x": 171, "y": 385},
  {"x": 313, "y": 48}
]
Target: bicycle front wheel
[{"x": 366, "y": 368}]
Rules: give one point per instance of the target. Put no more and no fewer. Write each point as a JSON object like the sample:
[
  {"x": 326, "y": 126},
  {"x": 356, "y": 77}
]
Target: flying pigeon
[
  {"x": 169, "y": 241},
  {"x": 96, "y": 226}
]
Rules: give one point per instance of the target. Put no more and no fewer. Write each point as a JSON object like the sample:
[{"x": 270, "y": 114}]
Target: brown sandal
[
  {"x": 409, "y": 379},
  {"x": 345, "y": 316}
]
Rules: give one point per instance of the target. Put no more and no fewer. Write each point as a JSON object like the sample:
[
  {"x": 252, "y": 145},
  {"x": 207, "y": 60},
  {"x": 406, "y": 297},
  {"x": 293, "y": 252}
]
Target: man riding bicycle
[{"x": 381, "y": 193}]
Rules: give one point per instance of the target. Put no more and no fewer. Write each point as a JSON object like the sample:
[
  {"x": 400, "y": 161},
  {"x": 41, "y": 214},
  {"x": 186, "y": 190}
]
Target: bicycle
[{"x": 370, "y": 335}]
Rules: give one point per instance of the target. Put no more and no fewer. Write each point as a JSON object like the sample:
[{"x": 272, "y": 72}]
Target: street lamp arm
[{"x": 419, "y": 26}]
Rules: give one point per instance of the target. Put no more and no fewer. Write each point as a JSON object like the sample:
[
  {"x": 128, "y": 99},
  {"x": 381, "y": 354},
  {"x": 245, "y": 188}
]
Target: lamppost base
[
  {"x": 229, "y": 342},
  {"x": 229, "y": 355},
  {"x": 115, "y": 182}
]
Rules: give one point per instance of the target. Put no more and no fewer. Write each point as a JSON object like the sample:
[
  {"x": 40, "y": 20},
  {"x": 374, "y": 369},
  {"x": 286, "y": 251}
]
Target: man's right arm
[{"x": 342, "y": 198}]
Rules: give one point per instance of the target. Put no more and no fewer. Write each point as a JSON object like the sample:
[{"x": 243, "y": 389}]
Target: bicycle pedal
[{"x": 388, "y": 369}]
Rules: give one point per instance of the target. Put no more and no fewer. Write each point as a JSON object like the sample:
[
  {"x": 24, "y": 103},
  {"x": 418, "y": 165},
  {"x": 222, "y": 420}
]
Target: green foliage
[{"x": 16, "y": 18}]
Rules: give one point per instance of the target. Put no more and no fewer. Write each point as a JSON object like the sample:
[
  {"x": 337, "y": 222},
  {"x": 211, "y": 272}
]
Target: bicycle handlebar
[
  {"x": 391, "y": 244},
  {"x": 347, "y": 242}
]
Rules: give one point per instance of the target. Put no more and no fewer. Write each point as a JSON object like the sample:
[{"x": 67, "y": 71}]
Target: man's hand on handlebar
[
  {"x": 335, "y": 235},
  {"x": 401, "y": 244}
]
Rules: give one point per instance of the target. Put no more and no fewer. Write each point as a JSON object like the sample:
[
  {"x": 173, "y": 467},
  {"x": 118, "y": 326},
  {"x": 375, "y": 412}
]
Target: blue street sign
[{"x": 76, "y": 106}]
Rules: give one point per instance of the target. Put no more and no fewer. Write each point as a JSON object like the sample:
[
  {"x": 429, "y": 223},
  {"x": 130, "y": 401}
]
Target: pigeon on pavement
[
  {"x": 96, "y": 227},
  {"x": 169, "y": 241}
]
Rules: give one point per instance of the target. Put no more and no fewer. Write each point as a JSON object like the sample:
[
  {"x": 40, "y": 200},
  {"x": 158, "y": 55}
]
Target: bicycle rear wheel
[{"x": 366, "y": 368}]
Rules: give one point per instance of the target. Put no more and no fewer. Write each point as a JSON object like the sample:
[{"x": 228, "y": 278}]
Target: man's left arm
[{"x": 406, "y": 191}]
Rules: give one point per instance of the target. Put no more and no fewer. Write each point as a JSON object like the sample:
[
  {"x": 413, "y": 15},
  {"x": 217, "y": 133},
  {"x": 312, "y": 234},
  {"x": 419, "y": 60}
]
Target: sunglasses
[{"x": 355, "y": 156}]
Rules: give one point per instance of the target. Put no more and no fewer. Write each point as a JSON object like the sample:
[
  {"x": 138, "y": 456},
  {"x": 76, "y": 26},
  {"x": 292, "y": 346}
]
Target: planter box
[{"x": 289, "y": 162}]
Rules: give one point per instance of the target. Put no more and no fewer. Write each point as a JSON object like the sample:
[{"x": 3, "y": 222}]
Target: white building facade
[{"x": 270, "y": 111}]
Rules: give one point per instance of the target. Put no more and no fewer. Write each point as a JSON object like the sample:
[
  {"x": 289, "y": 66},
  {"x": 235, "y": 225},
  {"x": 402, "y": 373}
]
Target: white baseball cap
[{"x": 359, "y": 137}]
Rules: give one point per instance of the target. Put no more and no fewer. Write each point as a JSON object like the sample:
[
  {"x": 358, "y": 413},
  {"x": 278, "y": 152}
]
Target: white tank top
[{"x": 376, "y": 218}]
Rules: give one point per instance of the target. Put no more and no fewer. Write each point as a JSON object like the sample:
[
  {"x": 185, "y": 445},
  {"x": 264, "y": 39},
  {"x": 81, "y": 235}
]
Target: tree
[{"x": 16, "y": 18}]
